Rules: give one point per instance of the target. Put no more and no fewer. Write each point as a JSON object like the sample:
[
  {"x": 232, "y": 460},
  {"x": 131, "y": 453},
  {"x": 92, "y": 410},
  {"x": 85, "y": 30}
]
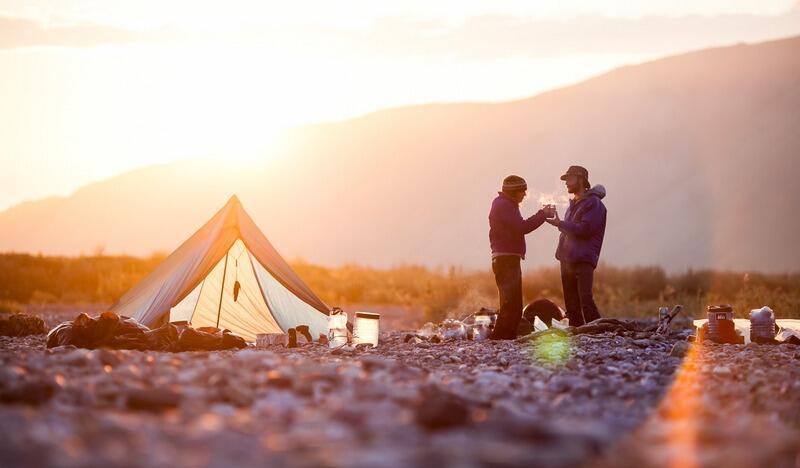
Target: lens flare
[{"x": 551, "y": 349}]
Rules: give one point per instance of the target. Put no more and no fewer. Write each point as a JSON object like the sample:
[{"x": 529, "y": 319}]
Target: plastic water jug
[{"x": 337, "y": 328}]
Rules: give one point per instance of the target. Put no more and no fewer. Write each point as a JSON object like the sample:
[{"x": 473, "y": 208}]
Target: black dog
[{"x": 546, "y": 310}]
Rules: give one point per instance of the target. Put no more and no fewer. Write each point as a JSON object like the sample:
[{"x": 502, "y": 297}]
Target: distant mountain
[{"x": 700, "y": 154}]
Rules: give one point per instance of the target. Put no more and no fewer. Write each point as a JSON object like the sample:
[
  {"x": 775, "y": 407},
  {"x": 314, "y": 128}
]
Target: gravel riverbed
[{"x": 601, "y": 400}]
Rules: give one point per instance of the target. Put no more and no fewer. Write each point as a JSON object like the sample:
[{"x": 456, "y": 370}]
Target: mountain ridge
[{"x": 683, "y": 144}]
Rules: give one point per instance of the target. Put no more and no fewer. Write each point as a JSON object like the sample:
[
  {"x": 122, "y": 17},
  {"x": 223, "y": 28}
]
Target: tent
[{"x": 226, "y": 275}]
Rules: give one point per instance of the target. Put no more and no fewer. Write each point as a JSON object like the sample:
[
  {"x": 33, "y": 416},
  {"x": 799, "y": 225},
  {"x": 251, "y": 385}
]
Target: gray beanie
[{"x": 514, "y": 183}]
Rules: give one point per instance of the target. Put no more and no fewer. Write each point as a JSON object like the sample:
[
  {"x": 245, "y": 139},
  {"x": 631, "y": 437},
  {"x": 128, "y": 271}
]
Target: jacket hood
[{"x": 598, "y": 190}]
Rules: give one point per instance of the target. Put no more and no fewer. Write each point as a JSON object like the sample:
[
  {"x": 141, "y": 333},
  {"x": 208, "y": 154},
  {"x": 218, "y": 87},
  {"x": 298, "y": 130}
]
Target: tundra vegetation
[{"x": 433, "y": 292}]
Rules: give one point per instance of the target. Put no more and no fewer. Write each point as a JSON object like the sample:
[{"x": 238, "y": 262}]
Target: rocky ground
[{"x": 602, "y": 400}]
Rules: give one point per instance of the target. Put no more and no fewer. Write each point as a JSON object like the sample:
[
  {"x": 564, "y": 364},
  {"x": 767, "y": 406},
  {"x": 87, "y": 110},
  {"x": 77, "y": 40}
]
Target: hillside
[{"x": 698, "y": 153}]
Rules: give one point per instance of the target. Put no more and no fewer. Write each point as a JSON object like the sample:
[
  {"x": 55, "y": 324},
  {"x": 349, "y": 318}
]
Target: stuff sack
[{"x": 22, "y": 325}]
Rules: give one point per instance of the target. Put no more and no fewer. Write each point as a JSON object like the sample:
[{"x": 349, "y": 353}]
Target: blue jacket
[
  {"x": 507, "y": 227},
  {"x": 583, "y": 228}
]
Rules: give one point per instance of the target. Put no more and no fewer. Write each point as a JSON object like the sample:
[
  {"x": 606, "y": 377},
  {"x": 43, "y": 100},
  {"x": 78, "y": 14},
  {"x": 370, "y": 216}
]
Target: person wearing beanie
[
  {"x": 579, "y": 244},
  {"x": 507, "y": 229}
]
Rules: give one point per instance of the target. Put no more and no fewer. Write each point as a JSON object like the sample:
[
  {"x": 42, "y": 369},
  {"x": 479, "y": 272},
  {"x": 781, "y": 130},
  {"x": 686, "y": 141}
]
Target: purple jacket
[
  {"x": 583, "y": 228},
  {"x": 507, "y": 227}
]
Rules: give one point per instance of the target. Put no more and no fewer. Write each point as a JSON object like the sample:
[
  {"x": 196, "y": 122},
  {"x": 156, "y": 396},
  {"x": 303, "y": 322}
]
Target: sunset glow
[
  {"x": 399, "y": 233},
  {"x": 91, "y": 90}
]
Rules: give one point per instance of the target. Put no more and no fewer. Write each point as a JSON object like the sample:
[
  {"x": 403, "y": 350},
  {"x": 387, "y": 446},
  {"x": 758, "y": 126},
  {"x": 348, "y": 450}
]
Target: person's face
[
  {"x": 573, "y": 183},
  {"x": 520, "y": 195}
]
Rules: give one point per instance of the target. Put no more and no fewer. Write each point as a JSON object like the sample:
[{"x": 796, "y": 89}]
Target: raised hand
[{"x": 555, "y": 220}]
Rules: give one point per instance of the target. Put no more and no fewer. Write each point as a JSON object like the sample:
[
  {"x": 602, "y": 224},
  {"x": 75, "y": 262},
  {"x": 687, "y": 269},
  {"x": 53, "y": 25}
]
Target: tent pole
[{"x": 222, "y": 289}]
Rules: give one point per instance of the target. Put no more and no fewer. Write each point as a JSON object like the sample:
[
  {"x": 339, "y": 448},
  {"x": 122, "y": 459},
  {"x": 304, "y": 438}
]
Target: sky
[{"x": 93, "y": 88}]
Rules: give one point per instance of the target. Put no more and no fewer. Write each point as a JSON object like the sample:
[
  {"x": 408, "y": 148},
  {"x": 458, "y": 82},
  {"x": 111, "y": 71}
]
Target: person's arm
[
  {"x": 590, "y": 223},
  {"x": 514, "y": 219},
  {"x": 534, "y": 221}
]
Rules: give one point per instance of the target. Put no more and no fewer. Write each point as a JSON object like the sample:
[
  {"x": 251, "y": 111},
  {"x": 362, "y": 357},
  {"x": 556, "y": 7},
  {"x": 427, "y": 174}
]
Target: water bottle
[{"x": 337, "y": 328}]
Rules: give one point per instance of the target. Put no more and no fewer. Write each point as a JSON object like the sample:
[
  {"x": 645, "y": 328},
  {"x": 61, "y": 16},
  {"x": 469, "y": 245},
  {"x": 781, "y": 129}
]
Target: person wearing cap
[
  {"x": 507, "y": 229},
  {"x": 579, "y": 244}
]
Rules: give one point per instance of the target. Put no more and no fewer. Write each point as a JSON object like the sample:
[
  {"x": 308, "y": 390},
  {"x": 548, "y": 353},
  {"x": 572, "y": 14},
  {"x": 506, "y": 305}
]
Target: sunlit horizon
[{"x": 92, "y": 91}]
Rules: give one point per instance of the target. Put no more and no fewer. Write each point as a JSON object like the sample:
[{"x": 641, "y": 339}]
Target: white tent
[{"x": 227, "y": 275}]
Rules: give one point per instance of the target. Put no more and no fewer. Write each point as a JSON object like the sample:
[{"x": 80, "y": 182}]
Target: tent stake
[{"x": 222, "y": 289}]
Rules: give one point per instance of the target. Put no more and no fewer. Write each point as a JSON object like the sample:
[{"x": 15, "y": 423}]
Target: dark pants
[
  {"x": 508, "y": 276},
  {"x": 576, "y": 279}
]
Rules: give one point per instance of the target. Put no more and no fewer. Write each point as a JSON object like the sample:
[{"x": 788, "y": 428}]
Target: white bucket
[{"x": 366, "y": 328}]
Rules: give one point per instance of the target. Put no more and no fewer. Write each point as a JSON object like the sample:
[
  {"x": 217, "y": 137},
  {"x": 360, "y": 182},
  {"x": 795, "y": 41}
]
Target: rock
[
  {"x": 280, "y": 380},
  {"x": 643, "y": 343},
  {"x": 30, "y": 391},
  {"x": 568, "y": 383},
  {"x": 371, "y": 363},
  {"x": 345, "y": 350},
  {"x": 493, "y": 383},
  {"x": 441, "y": 410},
  {"x": 239, "y": 395},
  {"x": 390, "y": 406},
  {"x": 721, "y": 370},
  {"x": 106, "y": 357},
  {"x": 78, "y": 357},
  {"x": 513, "y": 424},
  {"x": 156, "y": 399},
  {"x": 680, "y": 348}
]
